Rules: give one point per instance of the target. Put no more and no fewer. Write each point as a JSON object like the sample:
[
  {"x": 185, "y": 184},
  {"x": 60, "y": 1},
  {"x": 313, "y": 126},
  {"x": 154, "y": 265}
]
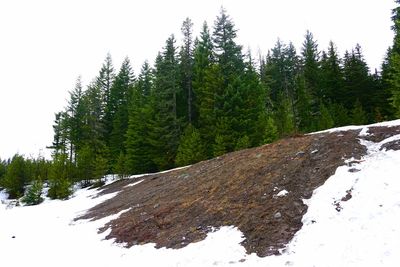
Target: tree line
[{"x": 206, "y": 97}]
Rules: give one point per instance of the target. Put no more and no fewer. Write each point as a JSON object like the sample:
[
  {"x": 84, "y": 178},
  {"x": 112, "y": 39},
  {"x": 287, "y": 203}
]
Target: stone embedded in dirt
[
  {"x": 277, "y": 215},
  {"x": 354, "y": 170}
]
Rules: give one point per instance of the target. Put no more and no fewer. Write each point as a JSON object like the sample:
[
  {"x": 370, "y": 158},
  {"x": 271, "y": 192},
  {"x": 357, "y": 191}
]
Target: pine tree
[
  {"x": 60, "y": 128},
  {"x": 186, "y": 97},
  {"x": 392, "y": 68},
  {"x": 242, "y": 143},
  {"x": 33, "y": 194},
  {"x": 206, "y": 80},
  {"x": 59, "y": 184},
  {"x": 85, "y": 165},
  {"x": 227, "y": 53},
  {"x": 118, "y": 109},
  {"x": 230, "y": 98},
  {"x": 311, "y": 72},
  {"x": 103, "y": 83},
  {"x": 252, "y": 110},
  {"x": 325, "y": 119},
  {"x": 191, "y": 149},
  {"x": 16, "y": 177},
  {"x": 121, "y": 167},
  {"x": 203, "y": 58},
  {"x": 271, "y": 131},
  {"x": 75, "y": 119},
  {"x": 339, "y": 114},
  {"x": 359, "y": 84},
  {"x": 332, "y": 84},
  {"x": 359, "y": 117},
  {"x": 137, "y": 145},
  {"x": 165, "y": 126},
  {"x": 219, "y": 147}
]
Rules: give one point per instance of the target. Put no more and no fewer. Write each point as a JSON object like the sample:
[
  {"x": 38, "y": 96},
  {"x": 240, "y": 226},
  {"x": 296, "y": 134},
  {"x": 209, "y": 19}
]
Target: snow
[
  {"x": 363, "y": 128},
  {"x": 363, "y": 230},
  {"x": 3, "y": 195},
  {"x": 135, "y": 183}
]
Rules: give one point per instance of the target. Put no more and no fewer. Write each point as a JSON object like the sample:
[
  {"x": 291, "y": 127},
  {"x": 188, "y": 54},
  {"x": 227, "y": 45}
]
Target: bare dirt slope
[{"x": 240, "y": 189}]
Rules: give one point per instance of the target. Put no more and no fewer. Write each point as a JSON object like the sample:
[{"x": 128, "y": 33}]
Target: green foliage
[
  {"x": 59, "y": 184},
  {"x": 141, "y": 113},
  {"x": 118, "y": 109},
  {"x": 208, "y": 87},
  {"x": 325, "y": 118},
  {"x": 358, "y": 115},
  {"x": 33, "y": 194},
  {"x": 242, "y": 143},
  {"x": 15, "y": 177},
  {"x": 339, "y": 115},
  {"x": 191, "y": 149},
  {"x": 165, "y": 126},
  {"x": 219, "y": 147},
  {"x": 271, "y": 131},
  {"x": 3, "y": 168},
  {"x": 121, "y": 167},
  {"x": 284, "y": 117}
]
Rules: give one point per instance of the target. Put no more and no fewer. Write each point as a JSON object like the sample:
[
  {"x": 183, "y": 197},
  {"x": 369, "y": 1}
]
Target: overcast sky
[{"x": 46, "y": 44}]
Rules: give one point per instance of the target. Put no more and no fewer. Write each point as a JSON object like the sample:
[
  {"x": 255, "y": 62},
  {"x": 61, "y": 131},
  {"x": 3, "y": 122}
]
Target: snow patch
[{"x": 133, "y": 184}]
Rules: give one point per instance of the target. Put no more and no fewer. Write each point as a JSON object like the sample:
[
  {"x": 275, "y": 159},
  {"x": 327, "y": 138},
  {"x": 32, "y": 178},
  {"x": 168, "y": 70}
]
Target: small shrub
[{"x": 33, "y": 194}]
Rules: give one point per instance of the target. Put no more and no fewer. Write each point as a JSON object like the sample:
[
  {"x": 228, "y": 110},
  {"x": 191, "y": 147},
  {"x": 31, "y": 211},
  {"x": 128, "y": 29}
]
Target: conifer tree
[
  {"x": 325, "y": 119},
  {"x": 75, "y": 119},
  {"x": 59, "y": 183},
  {"x": 359, "y": 117},
  {"x": 118, "y": 109},
  {"x": 206, "y": 80},
  {"x": 16, "y": 177},
  {"x": 165, "y": 127},
  {"x": 33, "y": 194},
  {"x": 271, "y": 131},
  {"x": 186, "y": 97},
  {"x": 137, "y": 145},
  {"x": 332, "y": 84},
  {"x": 60, "y": 129},
  {"x": 191, "y": 149},
  {"x": 311, "y": 72},
  {"x": 391, "y": 70},
  {"x": 359, "y": 84}
]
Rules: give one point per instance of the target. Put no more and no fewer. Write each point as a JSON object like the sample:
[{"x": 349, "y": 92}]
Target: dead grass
[{"x": 239, "y": 189}]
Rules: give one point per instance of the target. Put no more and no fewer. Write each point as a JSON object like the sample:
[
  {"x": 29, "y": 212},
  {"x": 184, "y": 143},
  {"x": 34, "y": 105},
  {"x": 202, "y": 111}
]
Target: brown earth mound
[{"x": 238, "y": 189}]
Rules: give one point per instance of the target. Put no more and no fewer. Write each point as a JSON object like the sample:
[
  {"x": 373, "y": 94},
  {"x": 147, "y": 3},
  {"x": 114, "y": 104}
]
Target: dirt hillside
[{"x": 243, "y": 189}]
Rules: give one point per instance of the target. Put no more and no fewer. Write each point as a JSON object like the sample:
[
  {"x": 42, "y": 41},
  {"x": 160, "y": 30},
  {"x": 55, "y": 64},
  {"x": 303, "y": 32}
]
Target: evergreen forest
[{"x": 202, "y": 98}]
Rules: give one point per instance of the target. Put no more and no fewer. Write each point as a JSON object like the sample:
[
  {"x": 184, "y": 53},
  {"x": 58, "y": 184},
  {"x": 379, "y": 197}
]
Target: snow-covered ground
[{"x": 361, "y": 231}]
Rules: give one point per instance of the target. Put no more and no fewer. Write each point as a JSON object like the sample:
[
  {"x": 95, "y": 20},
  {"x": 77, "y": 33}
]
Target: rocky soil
[{"x": 259, "y": 190}]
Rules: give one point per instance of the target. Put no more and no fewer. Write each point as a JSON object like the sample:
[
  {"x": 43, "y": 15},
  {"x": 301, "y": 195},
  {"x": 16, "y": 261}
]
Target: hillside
[{"x": 324, "y": 199}]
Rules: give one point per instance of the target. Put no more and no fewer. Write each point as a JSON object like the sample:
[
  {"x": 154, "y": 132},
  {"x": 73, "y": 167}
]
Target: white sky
[{"x": 46, "y": 44}]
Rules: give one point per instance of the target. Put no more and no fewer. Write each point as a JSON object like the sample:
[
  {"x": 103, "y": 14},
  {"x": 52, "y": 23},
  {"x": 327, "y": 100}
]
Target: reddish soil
[{"x": 238, "y": 189}]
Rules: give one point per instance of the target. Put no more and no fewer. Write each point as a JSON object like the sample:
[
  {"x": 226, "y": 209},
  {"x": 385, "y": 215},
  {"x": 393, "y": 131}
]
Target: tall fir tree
[
  {"x": 165, "y": 126},
  {"x": 332, "y": 84},
  {"x": 206, "y": 79},
  {"x": 137, "y": 145},
  {"x": 118, "y": 110},
  {"x": 312, "y": 75},
  {"x": 391, "y": 69},
  {"x": 186, "y": 97},
  {"x": 75, "y": 120}
]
